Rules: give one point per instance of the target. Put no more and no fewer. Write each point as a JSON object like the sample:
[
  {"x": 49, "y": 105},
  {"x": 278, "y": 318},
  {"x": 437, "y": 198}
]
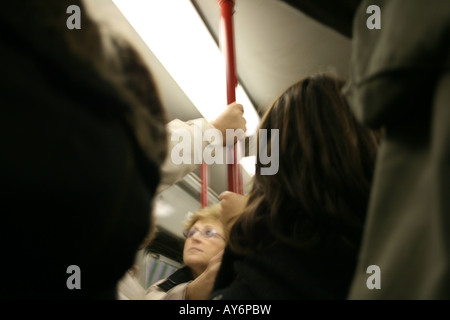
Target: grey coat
[{"x": 400, "y": 80}]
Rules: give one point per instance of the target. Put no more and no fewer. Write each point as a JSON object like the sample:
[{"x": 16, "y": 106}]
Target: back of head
[
  {"x": 326, "y": 161},
  {"x": 84, "y": 131}
]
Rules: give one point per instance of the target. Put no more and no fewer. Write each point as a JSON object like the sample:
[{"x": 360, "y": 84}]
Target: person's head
[
  {"x": 205, "y": 237},
  {"x": 326, "y": 161},
  {"x": 101, "y": 138}
]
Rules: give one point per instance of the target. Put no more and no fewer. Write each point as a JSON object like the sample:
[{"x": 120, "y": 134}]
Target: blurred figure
[
  {"x": 300, "y": 231},
  {"x": 83, "y": 136},
  {"x": 400, "y": 80},
  {"x": 202, "y": 255}
]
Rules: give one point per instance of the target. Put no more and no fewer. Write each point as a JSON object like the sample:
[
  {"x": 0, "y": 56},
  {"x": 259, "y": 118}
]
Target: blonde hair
[{"x": 213, "y": 212}]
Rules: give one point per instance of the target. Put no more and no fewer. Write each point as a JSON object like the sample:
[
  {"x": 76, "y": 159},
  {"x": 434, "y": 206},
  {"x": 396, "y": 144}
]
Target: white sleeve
[
  {"x": 172, "y": 172},
  {"x": 176, "y": 293},
  {"x": 129, "y": 288}
]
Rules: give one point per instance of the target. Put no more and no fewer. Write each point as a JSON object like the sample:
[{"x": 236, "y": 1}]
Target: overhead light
[{"x": 178, "y": 37}]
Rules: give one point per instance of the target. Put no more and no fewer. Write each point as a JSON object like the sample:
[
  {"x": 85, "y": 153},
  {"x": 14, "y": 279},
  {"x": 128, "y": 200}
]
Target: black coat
[
  {"x": 280, "y": 272},
  {"x": 80, "y": 155}
]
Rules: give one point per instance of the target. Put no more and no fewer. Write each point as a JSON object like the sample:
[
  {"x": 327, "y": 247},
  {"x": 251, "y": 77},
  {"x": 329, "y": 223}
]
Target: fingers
[
  {"x": 231, "y": 118},
  {"x": 232, "y": 206},
  {"x": 225, "y": 198},
  {"x": 243, "y": 124},
  {"x": 229, "y": 195},
  {"x": 238, "y": 116},
  {"x": 237, "y": 106},
  {"x": 224, "y": 195}
]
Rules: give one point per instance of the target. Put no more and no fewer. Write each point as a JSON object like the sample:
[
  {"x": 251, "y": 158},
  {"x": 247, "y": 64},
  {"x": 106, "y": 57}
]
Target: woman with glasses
[{"x": 206, "y": 238}]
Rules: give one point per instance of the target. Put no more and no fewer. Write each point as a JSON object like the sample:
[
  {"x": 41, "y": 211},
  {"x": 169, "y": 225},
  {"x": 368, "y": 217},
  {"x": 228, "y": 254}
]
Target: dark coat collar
[{"x": 180, "y": 276}]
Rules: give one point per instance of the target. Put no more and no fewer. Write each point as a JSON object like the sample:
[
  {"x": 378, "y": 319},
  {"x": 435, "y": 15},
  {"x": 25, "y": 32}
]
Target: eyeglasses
[{"x": 207, "y": 233}]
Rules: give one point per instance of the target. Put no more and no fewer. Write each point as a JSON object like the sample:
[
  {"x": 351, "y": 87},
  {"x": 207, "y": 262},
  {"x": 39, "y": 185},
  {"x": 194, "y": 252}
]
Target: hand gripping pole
[{"x": 228, "y": 51}]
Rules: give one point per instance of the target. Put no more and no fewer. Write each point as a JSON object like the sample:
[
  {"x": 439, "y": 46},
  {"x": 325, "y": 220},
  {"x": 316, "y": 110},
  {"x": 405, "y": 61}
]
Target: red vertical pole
[
  {"x": 204, "y": 181},
  {"x": 227, "y": 44}
]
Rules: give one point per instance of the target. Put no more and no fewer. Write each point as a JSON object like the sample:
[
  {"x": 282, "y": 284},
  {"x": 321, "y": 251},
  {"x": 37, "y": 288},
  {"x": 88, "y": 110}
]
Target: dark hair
[{"x": 326, "y": 162}]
